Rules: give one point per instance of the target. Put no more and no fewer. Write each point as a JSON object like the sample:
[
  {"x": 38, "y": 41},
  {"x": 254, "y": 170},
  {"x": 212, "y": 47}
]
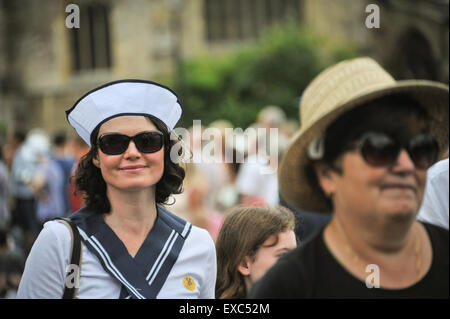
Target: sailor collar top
[{"x": 176, "y": 260}]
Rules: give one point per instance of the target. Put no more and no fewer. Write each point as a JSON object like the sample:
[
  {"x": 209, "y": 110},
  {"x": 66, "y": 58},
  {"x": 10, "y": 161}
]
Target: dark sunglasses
[
  {"x": 117, "y": 143},
  {"x": 379, "y": 149}
]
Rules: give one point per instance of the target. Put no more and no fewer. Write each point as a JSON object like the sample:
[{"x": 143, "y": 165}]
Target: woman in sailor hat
[{"x": 132, "y": 247}]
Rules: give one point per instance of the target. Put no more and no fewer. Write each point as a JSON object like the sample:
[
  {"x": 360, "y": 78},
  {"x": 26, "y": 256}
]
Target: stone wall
[
  {"x": 148, "y": 37},
  {"x": 409, "y": 35}
]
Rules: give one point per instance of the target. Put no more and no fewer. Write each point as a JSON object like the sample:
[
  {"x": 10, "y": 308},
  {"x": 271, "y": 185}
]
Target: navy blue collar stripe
[
  {"x": 172, "y": 234},
  {"x": 108, "y": 263},
  {"x": 163, "y": 259},
  {"x": 117, "y": 272},
  {"x": 186, "y": 229}
]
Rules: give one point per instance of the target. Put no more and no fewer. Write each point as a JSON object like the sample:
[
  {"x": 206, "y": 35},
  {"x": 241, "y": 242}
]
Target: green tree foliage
[{"x": 273, "y": 71}]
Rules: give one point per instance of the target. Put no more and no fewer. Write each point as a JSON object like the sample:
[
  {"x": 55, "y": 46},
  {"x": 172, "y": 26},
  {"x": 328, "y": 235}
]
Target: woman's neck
[
  {"x": 402, "y": 252},
  {"x": 374, "y": 236},
  {"x": 131, "y": 212}
]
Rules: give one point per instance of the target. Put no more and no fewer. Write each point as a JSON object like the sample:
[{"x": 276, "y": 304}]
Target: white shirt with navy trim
[{"x": 44, "y": 275}]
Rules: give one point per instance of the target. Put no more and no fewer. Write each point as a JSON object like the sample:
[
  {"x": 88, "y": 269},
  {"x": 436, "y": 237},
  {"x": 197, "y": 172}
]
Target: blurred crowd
[
  {"x": 213, "y": 187},
  {"x": 36, "y": 184},
  {"x": 35, "y": 187}
]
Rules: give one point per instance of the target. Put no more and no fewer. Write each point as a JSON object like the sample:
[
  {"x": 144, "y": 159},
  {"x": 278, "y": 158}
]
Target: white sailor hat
[{"x": 124, "y": 97}]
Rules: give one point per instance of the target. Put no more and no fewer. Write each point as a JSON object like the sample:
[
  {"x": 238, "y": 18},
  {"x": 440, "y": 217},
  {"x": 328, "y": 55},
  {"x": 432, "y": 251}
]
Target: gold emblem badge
[{"x": 189, "y": 283}]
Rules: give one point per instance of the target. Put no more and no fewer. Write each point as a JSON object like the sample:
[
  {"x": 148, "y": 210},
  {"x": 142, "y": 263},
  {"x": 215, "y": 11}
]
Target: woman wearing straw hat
[
  {"x": 362, "y": 152},
  {"x": 132, "y": 247}
]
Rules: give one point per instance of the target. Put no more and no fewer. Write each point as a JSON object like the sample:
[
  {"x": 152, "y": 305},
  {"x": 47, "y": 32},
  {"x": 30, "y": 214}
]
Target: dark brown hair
[
  {"x": 89, "y": 180},
  {"x": 244, "y": 231}
]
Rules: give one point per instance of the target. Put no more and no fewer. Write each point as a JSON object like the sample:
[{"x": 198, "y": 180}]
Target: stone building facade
[
  {"x": 412, "y": 41},
  {"x": 45, "y": 66}
]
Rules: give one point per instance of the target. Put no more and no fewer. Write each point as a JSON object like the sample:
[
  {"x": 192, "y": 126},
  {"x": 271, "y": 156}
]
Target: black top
[{"x": 311, "y": 271}]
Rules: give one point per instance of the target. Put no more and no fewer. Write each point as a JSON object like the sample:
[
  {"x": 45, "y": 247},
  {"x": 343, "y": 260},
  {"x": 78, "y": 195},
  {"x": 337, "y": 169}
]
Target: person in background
[
  {"x": 250, "y": 241},
  {"x": 4, "y": 188},
  {"x": 204, "y": 181},
  {"x": 220, "y": 174},
  {"x": 61, "y": 156},
  {"x": 256, "y": 180},
  {"x": 23, "y": 172},
  {"x": 79, "y": 148},
  {"x": 12, "y": 144},
  {"x": 11, "y": 265},
  {"x": 362, "y": 153},
  {"x": 48, "y": 184},
  {"x": 195, "y": 208},
  {"x": 434, "y": 209}
]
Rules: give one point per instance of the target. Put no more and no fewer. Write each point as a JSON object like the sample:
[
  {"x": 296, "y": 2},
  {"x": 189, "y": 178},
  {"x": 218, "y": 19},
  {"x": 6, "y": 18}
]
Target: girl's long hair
[{"x": 244, "y": 231}]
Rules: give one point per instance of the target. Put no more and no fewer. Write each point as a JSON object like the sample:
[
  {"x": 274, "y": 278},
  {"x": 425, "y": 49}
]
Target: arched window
[{"x": 414, "y": 58}]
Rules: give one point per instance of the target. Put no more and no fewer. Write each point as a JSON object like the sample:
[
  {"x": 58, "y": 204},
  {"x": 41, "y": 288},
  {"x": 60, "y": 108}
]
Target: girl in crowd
[{"x": 250, "y": 241}]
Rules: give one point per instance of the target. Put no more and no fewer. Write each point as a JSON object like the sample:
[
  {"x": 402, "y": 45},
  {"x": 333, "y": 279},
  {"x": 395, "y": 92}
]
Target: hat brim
[{"x": 294, "y": 182}]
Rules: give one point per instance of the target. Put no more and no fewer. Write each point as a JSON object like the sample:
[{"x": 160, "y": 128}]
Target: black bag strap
[{"x": 75, "y": 258}]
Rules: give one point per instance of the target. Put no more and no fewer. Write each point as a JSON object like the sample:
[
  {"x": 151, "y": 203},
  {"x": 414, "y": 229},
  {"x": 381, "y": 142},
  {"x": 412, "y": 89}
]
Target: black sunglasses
[
  {"x": 379, "y": 149},
  {"x": 117, "y": 143}
]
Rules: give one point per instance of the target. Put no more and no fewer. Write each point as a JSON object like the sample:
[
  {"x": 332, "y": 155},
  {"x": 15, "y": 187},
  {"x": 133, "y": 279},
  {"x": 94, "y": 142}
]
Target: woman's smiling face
[{"x": 131, "y": 170}]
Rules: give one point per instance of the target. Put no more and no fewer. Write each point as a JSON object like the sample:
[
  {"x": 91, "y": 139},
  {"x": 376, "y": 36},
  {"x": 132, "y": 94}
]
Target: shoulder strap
[{"x": 74, "y": 268}]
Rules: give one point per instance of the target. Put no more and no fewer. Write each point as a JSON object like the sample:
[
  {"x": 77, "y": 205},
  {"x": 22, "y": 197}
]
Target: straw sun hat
[{"x": 335, "y": 91}]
